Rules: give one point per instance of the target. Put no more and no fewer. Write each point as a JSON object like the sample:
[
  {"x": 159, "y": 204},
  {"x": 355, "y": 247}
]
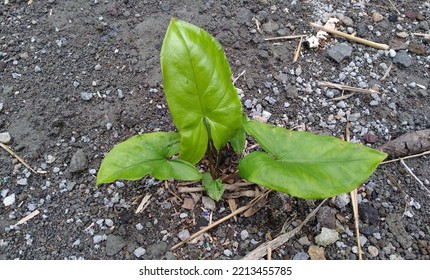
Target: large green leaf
[
  {"x": 306, "y": 165},
  {"x": 146, "y": 154},
  {"x": 200, "y": 94}
]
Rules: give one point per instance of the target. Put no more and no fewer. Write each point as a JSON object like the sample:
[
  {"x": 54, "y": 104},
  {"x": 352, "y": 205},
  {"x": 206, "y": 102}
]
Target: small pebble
[
  {"x": 183, "y": 215},
  {"x": 139, "y": 226},
  {"x": 373, "y": 251},
  {"x": 86, "y": 95},
  {"x": 108, "y": 222},
  {"x": 139, "y": 252},
  {"x": 98, "y": 67},
  {"x": 228, "y": 253},
  {"x": 5, "y": 138},
  {"x": 184, "y": 234}
]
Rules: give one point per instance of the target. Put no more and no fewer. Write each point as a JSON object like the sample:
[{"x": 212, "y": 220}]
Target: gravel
[
  {"x": 327, "y": 237},
  {"x": 339, "y": 52}
]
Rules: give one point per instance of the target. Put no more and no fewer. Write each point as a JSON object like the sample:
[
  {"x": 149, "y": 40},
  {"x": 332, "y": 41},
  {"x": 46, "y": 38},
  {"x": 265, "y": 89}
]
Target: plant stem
[{"x": 211, "y": 160}]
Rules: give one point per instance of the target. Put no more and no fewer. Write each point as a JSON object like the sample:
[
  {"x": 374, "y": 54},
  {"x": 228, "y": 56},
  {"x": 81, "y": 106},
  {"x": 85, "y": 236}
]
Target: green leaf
[
  {"x": 200, "y": 94},
  {"x": 214, "y": 188},
  {"x": 146, "y": 154},
  {"x": 238, "y": 141},
  {"x": 306, "y": 165}
]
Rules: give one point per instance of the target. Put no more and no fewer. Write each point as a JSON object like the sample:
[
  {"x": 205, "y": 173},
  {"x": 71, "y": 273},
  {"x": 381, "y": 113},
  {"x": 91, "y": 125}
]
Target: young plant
[{"x": 207, "y": 113}]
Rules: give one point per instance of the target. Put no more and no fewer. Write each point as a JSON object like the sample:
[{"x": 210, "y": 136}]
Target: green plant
[{"x": 207, "y": 112}]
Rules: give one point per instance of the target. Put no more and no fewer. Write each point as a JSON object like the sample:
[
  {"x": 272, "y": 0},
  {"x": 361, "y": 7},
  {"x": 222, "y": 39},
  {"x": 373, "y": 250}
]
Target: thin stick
[
  {"x": 354, "y": 201},
  {"x": 407, "y": 157},
  {"x": 7, "y": 149},
  {"x": 205, "y": 229},
  {"x": 261, "y": 250},
  {"x": 352, "y": 38},
  {"x": 347, "y": 88},
  {"x": 297, "y": 52},
  {"x": 142, "y": 205},
  {"x": 290, "y": 37},
  {"x": 28, "y": 217},
  {"x": 426, "y": 36},
  {"x": 387, "y": 72},
  {"x": 394, "y": 7},
  {"x": 343, "y": 97},
  {"x": 413, "y": 175},
  {"x": 240, "y": 75}
]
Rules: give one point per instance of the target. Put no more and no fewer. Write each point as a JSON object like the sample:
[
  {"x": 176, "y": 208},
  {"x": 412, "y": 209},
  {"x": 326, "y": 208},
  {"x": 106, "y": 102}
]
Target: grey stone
[
  {"x": 402, "y": 59},
  {"x": 5, "y": 137},
  {"x": 97, "y": 67},
  {"x": 79, "y": 162},
  {"x": 270, "y": 27},
  {"x": 1, "y": 106},
  {"x": 86, "y": 95},
  {"x": 327, "y": 237},
  {"x": 7, "y": 90},
  {"x": 184, "y": 234},
  {"x": 326, "y": 217},
  {"x": 342, "y": 200},
  {"x": 114, "y": 244},
  {"x": 339, "y": 52},
  {"x": 304, "y": 241},
  {"x": 208, "y": 203},
  {"x": 301, "y": 256},
  {"x": 22, "y": 182},
  {"x": 228, "y": 253},
  {"x": 99, "y": 238}
]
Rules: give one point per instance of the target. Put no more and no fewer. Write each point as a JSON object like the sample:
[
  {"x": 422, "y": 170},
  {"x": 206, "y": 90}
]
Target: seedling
[{"x": 208, "y": 114}]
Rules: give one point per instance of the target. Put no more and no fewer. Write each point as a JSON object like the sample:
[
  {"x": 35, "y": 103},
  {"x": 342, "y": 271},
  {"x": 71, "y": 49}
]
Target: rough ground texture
[{"x": 77, "y": 77}]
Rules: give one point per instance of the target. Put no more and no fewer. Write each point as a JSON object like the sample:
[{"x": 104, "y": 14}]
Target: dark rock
[
  {"x": 326, "y": 217},
  {"x": 157, "y": 250},
  {"x": 417, "y": 48},
  {"x": 339, "y": 52},
  {"x": 114, "y": 244},
  {"x": 393, "y": 18},
  {"x": 394, "y": 222},
  {"x": 368, "y": 214},
  {"x": 403, "y": 59},
  {"x": 79, "y": 162},
  {"x": 370, "y": 138}
]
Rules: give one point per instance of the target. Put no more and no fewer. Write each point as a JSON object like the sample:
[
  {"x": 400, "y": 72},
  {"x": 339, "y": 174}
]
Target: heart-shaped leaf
[
  {"x": 306, "y": 165},
  {"x": 214, "y": 188},
  {"x": 200, "y": 94},
  {"x": 146, "y": 154}
]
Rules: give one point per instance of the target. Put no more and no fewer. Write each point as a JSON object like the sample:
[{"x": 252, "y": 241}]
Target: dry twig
[
  {"x": 297, "y": 52},
  {"x": 387, "y": 72},
  {"x": 352, "y": 38},
  {"x": 413, "y": 175},
  {"x": 28, "y": 217},
  {"x": 408, "y": 157},
  {"x": 347, "y": 88},
  {"x": 290, "y": 37},
  {"x": 143, "y": 204},
  {"x": 261, "y": 250},
  {"x": 395, "y": 8},
  {"x": 7, "y": 149},
  {"x": 205, "y": 229}
]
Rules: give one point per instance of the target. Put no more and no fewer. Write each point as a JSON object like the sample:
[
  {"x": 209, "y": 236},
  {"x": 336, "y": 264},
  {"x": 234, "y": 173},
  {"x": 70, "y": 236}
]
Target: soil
[{"x": 77, "y": 77}]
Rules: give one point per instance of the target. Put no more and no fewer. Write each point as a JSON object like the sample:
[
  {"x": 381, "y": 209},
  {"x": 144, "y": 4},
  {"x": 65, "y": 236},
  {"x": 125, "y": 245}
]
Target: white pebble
[
  {"x": 228, "y": 253},
  {"x": 5, "y": 137},
  {"x": 9, "y": 200},
  {"x": 244, "y": 234},
  {"x": 139, "y": 252},
  {"x": 108, "y": 222},
  {"x": 139, "y": 226}
]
